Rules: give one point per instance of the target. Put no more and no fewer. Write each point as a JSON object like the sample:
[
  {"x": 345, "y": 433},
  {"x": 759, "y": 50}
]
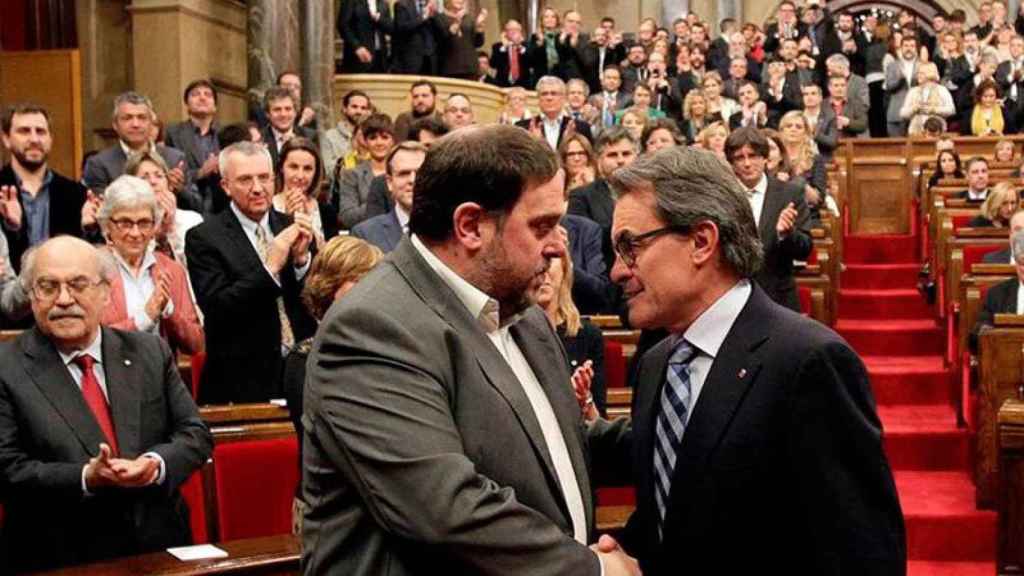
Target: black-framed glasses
[
  {"x": 126, "y": 224},
  {"x": 47, "y": 289},
  {"x": 627, "y": 245}
]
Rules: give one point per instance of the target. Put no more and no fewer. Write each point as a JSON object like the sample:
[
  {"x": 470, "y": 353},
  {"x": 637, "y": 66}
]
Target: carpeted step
[
  {"x": 893, "y": 337},
  {"x": 883, "y": 249},
  {"x": 923, "y": 568},
  {"x": 883, "y": 304},
  {"x": 908, "y": 379},
  {"x": 942, "y": 522},
  {"x": 880, "y": 276},
  {"x": 924, "y": 438}
]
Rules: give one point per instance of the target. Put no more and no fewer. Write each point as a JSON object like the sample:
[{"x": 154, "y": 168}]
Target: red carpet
[{"x": 884, "y": 318}]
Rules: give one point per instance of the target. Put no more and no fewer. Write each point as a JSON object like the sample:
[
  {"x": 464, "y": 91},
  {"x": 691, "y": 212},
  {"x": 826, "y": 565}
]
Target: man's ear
[
  {"x": 705, "y": 242},
  {"x": 468, "y": 225}
]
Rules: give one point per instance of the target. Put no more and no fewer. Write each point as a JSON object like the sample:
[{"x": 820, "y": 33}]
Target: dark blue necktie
[{"x": 671, "y": 422}]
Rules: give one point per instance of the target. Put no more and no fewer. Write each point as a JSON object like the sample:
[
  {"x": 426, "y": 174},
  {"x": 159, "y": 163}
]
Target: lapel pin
[
  {"x": 742, "y": 373},
  {"x": 127, "y": 362}
]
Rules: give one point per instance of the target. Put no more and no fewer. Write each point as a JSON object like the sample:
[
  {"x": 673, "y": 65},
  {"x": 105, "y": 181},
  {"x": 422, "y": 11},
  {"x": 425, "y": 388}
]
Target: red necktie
[
  {"x": 95, "y": 399},
  {"x": 513, "y": 63},
  {"x": 837, "y": 107}
]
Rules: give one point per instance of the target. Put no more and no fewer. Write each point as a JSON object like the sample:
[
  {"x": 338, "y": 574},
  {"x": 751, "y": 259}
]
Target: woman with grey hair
[{"x": 150, "y": 291}]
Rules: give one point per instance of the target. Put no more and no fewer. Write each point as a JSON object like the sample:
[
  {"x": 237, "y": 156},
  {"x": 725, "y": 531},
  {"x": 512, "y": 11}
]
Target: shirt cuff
[
  {"x": 163, "y": 467},
  {"x": 85, "y": 487},
  {"x": 300, "y": 271},
  {"x": 168, "y": 310}
]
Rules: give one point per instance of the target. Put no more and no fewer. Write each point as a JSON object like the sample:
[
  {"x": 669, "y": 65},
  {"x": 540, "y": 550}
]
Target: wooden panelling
[
  {"x": 879, "y": 196},
  {"x": 999, "y": 375},
  {"x": 1011, "y": 489}
]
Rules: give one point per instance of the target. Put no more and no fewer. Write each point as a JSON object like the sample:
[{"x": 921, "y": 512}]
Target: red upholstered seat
[
  {"x": 961, "y": 220},
  {"x": 973, "y": 254},
  {"x": 805, "y": 300},
  {"x": 619, "y": 496},
  {"x": 614, "y": 365},
  {"x": 255, "y": 485},
  {"x": 812, "y": 258},
  {"x": 198, "y": 359},
  {"x": 192, "y": 492}
]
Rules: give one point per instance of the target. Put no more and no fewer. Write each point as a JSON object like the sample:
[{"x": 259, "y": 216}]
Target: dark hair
[
  {"x": 615, "y": 67},
  {"x": 490, "y": 165},
  {"x": 958, "y": 171},
  {"x": 612, "y": 135},
  {"x": 275, "y": 93},
  {"x": 407, "y": 146},
  {"x": 376, "y": 123},
  {"x": 933, "y": 125},
  {"x": 200, "y": 83},
  {"x": 661, "y": 124},
  {"x": 608, "y": 19},
  {"x": 304, "y": 144},
  {"x": 974, "y": 160},
  {"x": 232, "y": 133},
  {"x": 428, "y": 124},
  {"x": 22, "y": 108},
  {"x": 747, "y": 136},
  {"x": 980, "y": 90},
  {"x": 352, "y": 94},
  {"x": 424, "y": 82}
]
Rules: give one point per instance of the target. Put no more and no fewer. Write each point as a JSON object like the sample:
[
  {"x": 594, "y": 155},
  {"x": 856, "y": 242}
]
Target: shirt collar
[
  {"x": 281, "y": 136},
  {"x": 402, "y": 215},
  {"x": 248, "y": 224},
  {"x": 148, "y": 261},
  {"x": 95, "y": 350},
  {"x": 481, "y": 306},
  {"x": 128, "y": 151},
  {"x": 213, "y": 127},
  {"x": 709, "y": 330},
  {"x": 762, "y": 185},
  {"x": 47, "y": 178}
]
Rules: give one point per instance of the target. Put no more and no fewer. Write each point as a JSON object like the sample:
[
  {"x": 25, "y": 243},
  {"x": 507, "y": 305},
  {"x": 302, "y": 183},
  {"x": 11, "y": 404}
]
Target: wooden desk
[
  {"x": 1011, "y": 488},
  {"x": 272, "y": 556}
]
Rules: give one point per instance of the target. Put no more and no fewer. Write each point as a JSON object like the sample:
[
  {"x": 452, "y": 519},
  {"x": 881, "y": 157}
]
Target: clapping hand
[
  {"x": 787, "y": 219},
  {"x": 300, "y": 247},
  {"x": 176, "y": 177},
  {"x": 10, "y": 207},
  {"x": 161, "y": 295},
  {"x": 364, "y": 55},
  {"x": 105, "y": 470},
  {"x": 582, "y": 378},
  {"x": 89, "y": 210}
]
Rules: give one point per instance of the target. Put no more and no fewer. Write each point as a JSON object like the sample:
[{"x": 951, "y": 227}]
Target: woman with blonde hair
[
  {"x": 802, "y": 153},
  {"x": 515, "y": 106},
  {"x": 1005, "y": 152},
  {"x": 713, "y": 138},
  {"x": 712, "y": 85},
  {"x": 634, "y": 119},
  {"x": 695, "y": 115},
  {"x": 927, "y": 99},
  {"x": 579, "y": 161},
  {"x": 342, "y": 262},
  {"x": 998, "y": 207}
]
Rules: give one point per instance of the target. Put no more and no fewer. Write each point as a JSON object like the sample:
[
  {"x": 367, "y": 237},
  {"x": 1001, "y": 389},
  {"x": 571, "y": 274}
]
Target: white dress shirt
[
  {"x": 757, "y": 198},
  {"x": 485, "y": 310},
  {"x": 137, "y": 291},
  {"x": 403, "y": 218},
  {"x": 1020, "y": 298},
  {"x": 552, "y": 130}
]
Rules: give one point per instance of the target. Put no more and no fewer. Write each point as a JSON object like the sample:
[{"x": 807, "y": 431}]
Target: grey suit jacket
[
  {"x": 383, "y": 231},
  {"x": 350, "y": 192},
  {"x": 422, "y": 450},
  {"x": 106, "y": 166},
  {"x": 896, "y": 88},
  {"x": 48, "y": 433}
]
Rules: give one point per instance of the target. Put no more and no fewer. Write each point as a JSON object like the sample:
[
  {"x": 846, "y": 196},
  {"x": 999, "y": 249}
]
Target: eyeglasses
[
  {"x": 126, "y": 224},
  {"x": 247, "y": 181},
  {"x": 627, "y": 246},
  {"x": 46, "y": 289}
]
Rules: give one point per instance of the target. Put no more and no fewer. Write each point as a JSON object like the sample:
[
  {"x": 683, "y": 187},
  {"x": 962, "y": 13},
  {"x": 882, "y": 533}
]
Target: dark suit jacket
[
  {"x": 854, "y": 110},
  {"x": 106, "y": 166},
  {"x": 582, "y": 128},
  {"x": 48, "y": 433},
  {"x": 457, "y": 53},
  {"x": 776, "y": 274},
  {"x": 590, "y": 56},
  {"x": 359, "y": 30},
  {"x": 592, "y": 290},
  {"x": 379, "y": 200},
  {"x": 382, "y": 231},
  {"x": 66, "y": 200},
  {"x": 430, "y": 452},
  {"x": 413, "y": 38},
  {"x": 502, "y": 68},
  {"x": 998, "y": 257},
  {"x": 182, "y": 136},
  {"x": 238, "y": 298},
  {"x": 965, "y": 195},
  {"x": 782, "y": 452},
  {"x": 588, "y": 344},
  {"x": 271, "y": 142},
  {"x": 1000, "y": 299},
  {"x": 594, "y": 201}
]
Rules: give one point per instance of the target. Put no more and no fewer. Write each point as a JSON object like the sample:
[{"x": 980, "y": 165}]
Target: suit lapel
[
  {"x": 233, "y": 230},
  {"x": 123, "y": 392},
  {"x": 392, "y": 230},
  {"x": 192, "y": 142},
  {"x": 51, "y": 377},
  {"x": 650, "y": 381},
  {"x": 769, "y": 214}
]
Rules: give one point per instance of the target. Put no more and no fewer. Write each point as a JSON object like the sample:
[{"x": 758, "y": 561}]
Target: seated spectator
[
  {"x": 353, "y": 186},
  {"x": 298, "y": 178},
  {"x": 752, "y": 112},
  {"x": 14, "y": 300},
  {"x": 713, "y": 137},
  {"x": 150, "y": 292},
  {"x": 553, "y": 123},
  {"x": 133, "y": 117},
  {"x": 583, "y": 342},
  {"x": 1003, "y": 297},
  {"x": 634, "y": 120},
  {"x": 387, "y": 230},
  {"x": 1005, "y": 152},
  {"x": 337, "y": 142},
  {"x": 485, "y": 74},
  {"x": 658, "y": 134},
  {"x": 197, "y": 138},
  {"x": 426, "y": 130},
  {"x": 696, "y": 116},
  {"x": 343, "y": 261},
  {"x": 977, "y": 181},
  {"x": 777, "y": 163},
  {"x": 717, "y": 104},
  {"x": 458, "y": 111},
  {"x": 944, "y": 142},
  {"x": 515, "y": 106},
  {"x": 927, "y": 99},
  {"x": 1004, "y": 256},
  {"x": 934, "y": 127},
  {"x": 986, "y": 117},
  {"x": 170, "y": 232},
  {"x": 807, "y": 165},
  {"x": 577, "y": 105},
  {"x": 998, "y": 208},
  {"x": 641, "y": 99},
  {"x": 578, "y": 159},
  {"x": 281, "y": 106},
  {"x": 90, "y": 469},
  {"x": 422, "y": 104},
  {"x": 947, "y": 165}
]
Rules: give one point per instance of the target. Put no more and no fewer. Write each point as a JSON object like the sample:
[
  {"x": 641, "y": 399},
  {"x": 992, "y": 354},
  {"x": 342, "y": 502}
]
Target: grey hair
[
  {"x": 127, "y": 193},
  {"x": 131, "y": 97},
  {"x": 553, "y": 80},
  {"x": 839, "y": 61},
  {"x": 574, "y": 81},
  {"x": 107, "y": 267},
  {"x": 693, "y": 186},
  {"x": 245, "y": 148},
  {"x": 1017, "y": 245}
]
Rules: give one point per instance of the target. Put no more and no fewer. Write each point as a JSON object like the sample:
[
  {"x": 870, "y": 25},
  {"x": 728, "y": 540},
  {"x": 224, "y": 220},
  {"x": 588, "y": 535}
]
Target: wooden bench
[
  {"x": 1011, "y": 487},
  {"x": 976, "y": 240},
  {"x": 999, "y": 379}
]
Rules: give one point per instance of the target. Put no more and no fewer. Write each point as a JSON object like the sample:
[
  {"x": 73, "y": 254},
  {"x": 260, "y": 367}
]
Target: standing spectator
[
  {"x": 571, "y": 42},
  {"x": 413, "y": 43},
  {"x": 578, "y": 107},
  {"x": 337, "y": 142},
  {"x": 634, "y": 119},
  {"x": 781, "y": 91},
  {"x": 36, "y": 203},
  {"x": 611, "y": 99},
  {"x": 820, "y": 29},
  {"x": 737, "y": 76},
  {"x": 821, "y": 120},
  {"x": 948, "y": 47},
  {"x": 297, "y": 182},
  {"x": 785, "y": 27},
  {"x": 695, "y": 116},
  {"x": 900, "y": 76},
  {"x": 544, "y": 48},
  {"x": 874, "y": 74},
  {"x": 422, "y": 104},
  {"x": 459, "y": 35},
  {"x": 712, "y": 138},
  {"x": 281, "y": 107},
  {"x": 660, "y": 134},
  {"x": 363, "y": 26},
  {"x": 926, "y": 100},
  {"x": 305, "y": 115},
  {"x": 170, "y": 232},
  {"x": 598, "y": 55},
  {"x": 851, "y": 114},
  {"x": 636, "y": 68},
  {"x": 197, "y": 138},
  {"x": 509, "y": 58},
  {"x": 353, "y": 186},
  {"x": 984, "y": 28},
  {"x": 856, "y": 86},
  {"x": 802, "y": 153},
  {"x": 553, "y": 124},
  {"x": 752, "y": 111},
  {"x": 1010, "y": 75},
  {"x": 515, "y": 106},
  {"x": 718, "y": 104},
  {"x": 485, "y": 74},
  {"x": 986, "y": 117},
  {"x": 718, "y": 50}
]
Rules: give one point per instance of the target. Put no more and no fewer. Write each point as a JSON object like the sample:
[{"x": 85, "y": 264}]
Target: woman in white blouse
[{"x": 927, "y": 99}]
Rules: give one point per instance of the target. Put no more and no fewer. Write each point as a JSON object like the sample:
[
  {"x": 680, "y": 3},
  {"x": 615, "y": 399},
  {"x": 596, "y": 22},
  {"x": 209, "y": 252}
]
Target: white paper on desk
[{"x": 198, "y": 552}]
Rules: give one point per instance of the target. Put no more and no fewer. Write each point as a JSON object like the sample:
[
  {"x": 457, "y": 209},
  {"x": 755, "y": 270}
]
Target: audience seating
[
  {"x": 264, "y": 471},
  {"x": 1011, "y": 487},
  {"x": 1001, "y": 350},
  {"x": 614, "y": 365}
]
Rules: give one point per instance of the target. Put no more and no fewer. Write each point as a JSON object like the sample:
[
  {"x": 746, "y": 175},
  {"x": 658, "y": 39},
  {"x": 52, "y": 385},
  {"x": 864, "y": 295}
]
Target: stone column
[
  {"x": 318, "y": 59},
  {"x": 672, "y": 9},
  {"x": 274, "y": 42},
  {"x": 729, "y": 9}
]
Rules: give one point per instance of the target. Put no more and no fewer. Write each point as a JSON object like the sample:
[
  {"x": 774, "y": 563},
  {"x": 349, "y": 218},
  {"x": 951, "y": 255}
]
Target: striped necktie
[
  {"x": 671, "y": 422},
  {"x": 287, "y": 336}
]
